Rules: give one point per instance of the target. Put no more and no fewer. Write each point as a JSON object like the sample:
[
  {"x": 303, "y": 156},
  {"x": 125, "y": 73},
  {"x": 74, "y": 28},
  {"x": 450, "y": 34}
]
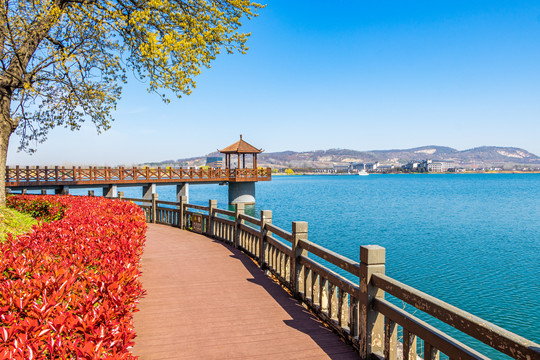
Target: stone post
[
  {"x": 121, "y": 195},
  {"x": 239, "y": 209},
  {"x": 266, "y": 218},
  {"x": 299, "y": 232},
  {"x": 371, "y": 323},
  {"x": 155, "y": 198},
  {"x": 181, "y": 202},
  {"x": 212, "y": 204}
]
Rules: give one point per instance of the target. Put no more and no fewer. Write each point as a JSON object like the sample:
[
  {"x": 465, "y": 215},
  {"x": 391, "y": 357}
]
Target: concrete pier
[
  {"x": 182, "y": 190},
  {"x": 148, "y": 190},
  {"x": 242, "y": 192},
  {"x": 110, "y": 191},
  {"x": 62, "y": 190}
]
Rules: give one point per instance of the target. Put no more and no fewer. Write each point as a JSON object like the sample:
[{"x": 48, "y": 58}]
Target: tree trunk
[{"x": 6, "y": 129}]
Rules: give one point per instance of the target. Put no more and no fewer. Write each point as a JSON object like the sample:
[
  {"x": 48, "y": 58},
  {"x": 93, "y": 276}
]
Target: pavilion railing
[
  {"x": 39, "y": 176},
  {"x": 357, "y": 310}
]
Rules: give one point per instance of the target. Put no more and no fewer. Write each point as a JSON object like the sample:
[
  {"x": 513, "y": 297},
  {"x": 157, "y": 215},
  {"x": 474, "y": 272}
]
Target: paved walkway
[{"x": 206, "y": 300}]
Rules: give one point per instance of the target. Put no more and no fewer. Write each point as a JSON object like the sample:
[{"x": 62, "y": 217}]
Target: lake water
[{"x": 472, "y": 240}]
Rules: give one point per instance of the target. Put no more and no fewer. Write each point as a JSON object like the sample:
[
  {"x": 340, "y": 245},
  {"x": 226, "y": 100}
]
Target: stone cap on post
[
  {"x": 299, "y": 227},
  {"x": 266, "y": 214},
  {"x": 240, "y": 207},
  {"x": 372, "y": 254}
]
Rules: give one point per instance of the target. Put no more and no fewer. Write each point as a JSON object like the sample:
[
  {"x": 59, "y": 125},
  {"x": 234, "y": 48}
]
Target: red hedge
[{"x": 69, "y": 288}]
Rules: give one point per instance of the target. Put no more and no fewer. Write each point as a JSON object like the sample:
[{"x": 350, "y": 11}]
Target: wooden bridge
[
  {"x": 43, "y": 177},
  {"x": 241, "y": 181},
  {"x": 240, "y": 178},
  {"x": 208, "y": 299}
]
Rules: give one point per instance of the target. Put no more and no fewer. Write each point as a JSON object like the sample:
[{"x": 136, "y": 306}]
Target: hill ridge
[{"x": 481, "y": 156}]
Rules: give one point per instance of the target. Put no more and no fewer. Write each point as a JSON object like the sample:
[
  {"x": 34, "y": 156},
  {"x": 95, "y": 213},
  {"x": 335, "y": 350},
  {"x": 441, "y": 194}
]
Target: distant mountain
[{"x": 485, "y": 156}]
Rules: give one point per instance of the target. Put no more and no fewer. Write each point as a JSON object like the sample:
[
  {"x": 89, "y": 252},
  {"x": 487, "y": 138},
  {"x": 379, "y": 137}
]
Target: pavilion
[{"x": 243, "y": 189}]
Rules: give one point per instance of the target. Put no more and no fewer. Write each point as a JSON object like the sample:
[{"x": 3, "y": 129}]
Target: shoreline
[{"x": 403, "y": 173}]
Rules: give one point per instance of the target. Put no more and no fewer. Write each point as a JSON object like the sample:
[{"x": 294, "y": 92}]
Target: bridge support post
[
  {"x": 182, "y": 190},
  {"x": 371, "y": 323},
  {"x": 242, "y": 192},
  {"x": 148, "y": 190},
  {"x": 110, "y": 191},
  {"x": 63, "y": 190}
]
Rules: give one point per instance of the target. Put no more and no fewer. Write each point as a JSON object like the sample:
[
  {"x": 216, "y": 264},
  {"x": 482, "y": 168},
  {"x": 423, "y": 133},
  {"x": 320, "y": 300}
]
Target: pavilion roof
[{"x": 241, "y": 147}]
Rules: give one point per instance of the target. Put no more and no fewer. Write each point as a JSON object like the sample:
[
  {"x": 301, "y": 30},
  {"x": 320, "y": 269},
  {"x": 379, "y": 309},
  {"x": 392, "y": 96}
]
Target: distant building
[
  {"x": 436, "y": 166},
  {"x": 214, "y": 161},
  {"x": 365, "y": 166},
  {"x": 341, "y": 168},
  {"x": 385, "y": 168},
  {"x": 411, "y": 166},
  {"x": 372, "y": 166}
]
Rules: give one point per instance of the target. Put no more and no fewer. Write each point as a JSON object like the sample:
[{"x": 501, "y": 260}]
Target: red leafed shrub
[
  {"x": 37, "y": 207},
  {"x": 69, "y": 288}
]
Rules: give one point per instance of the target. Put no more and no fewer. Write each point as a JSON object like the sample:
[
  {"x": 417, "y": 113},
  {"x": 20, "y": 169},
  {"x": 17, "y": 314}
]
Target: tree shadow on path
[{"x": 301, "y": 319}]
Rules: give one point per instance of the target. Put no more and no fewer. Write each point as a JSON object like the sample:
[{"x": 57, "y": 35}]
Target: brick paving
[{"x": 207, "y": 300}]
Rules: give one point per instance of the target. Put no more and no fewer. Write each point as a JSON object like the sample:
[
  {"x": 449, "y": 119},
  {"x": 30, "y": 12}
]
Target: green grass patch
[{"x": 12, "y": 221}]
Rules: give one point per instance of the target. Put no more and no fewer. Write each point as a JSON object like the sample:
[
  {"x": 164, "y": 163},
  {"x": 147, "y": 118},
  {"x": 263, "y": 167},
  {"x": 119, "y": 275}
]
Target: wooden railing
[
  {"x": 39, "y": 176},
  {"x": 356, "y": 310}
]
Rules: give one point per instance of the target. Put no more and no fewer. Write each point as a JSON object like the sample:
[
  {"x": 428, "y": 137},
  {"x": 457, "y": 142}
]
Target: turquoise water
[{"x": 471, "y": 240}]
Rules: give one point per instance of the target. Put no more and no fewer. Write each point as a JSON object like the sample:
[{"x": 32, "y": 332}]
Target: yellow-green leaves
[{"x": 64, "y": 62}]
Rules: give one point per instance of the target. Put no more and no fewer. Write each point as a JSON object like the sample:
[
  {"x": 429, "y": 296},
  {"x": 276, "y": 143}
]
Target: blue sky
[{"x": 361, "y": 75}]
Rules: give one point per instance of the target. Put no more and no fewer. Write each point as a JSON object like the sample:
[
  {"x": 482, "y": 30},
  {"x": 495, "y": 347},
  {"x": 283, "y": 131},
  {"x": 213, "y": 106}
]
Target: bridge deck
[{"x": 206, "y": 300}]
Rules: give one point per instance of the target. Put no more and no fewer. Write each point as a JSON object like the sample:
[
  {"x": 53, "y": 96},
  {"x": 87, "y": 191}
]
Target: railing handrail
[
  {"x": 336, "y": 259},
  {"x": 250, "y": 219},
  {"x": 366, "y": 300},
  {"x": 485, "y": 331},
  {"x": 436, "y": 337}
]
